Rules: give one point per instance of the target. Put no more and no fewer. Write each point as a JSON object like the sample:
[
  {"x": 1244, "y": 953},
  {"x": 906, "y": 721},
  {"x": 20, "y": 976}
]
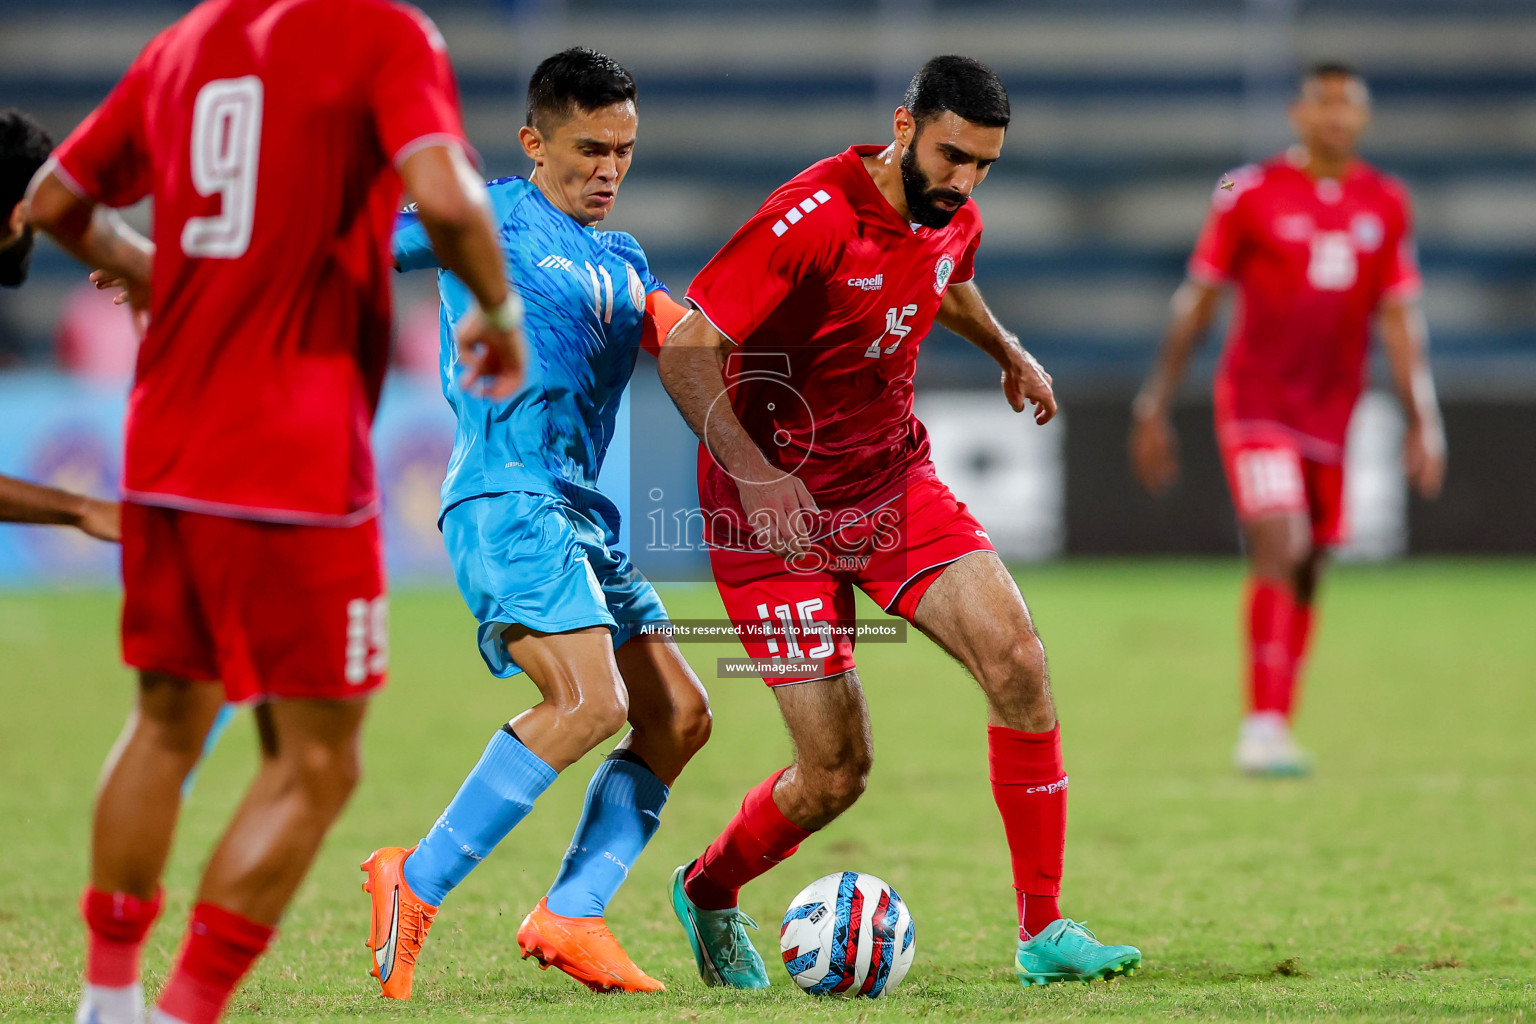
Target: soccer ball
[{"x": 847, "y": 934}]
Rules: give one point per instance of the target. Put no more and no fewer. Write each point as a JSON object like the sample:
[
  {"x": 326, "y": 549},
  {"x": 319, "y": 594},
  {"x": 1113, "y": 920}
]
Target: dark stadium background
[{"x": 1125, "y": 117}]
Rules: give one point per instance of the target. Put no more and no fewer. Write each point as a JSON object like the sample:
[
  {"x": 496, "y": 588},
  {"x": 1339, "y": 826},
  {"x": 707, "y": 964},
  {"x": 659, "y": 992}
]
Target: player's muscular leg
[
  {"x": 668, "y": 708},
  {"x": 1278, "y": 547},
  {"x": 309, "y": 767},
  {"x": 585, "y": 700},
  {"x": 140, "y": 792},
  {"x": 828, "y": 721},
  {"x": 975, "y": 612}
]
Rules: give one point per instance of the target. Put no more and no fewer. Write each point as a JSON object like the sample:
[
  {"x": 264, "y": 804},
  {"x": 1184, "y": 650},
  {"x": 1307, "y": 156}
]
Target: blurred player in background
[
  {"x": 273, "y": 139},
  {"x": 815, "y": 477},
  {"x": 1319, "y": 244},
  {"x": 24, "y": 147},
  {"x": 533, "y": 540}
]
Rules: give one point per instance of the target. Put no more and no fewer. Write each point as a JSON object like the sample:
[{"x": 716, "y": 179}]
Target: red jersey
[
  {"x": 267, "y": 133},
  {"x": 827, "y": 292},
  {"x": 1312, "y": 261}
]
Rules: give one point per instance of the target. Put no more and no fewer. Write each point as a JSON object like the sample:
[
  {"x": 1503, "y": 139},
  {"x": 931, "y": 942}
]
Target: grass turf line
[{"x": 1396, "y": 884}]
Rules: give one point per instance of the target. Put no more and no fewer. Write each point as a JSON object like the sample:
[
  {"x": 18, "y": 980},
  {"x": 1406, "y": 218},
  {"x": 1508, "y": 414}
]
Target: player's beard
[{"x": 921, "y": 197}]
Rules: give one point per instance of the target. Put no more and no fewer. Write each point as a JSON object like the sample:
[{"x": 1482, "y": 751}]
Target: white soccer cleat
[
  {"x": 1266, "y": 747},
  {"x": 102, "y": 1005}
]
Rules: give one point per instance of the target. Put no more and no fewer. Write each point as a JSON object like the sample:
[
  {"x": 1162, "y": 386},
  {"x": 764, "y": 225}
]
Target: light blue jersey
[
  {"x": 530, "y": 535},
  {"x": 584, "y": 292}
]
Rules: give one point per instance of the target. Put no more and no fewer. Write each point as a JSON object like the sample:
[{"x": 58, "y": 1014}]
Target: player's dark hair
[
  {"x": 967, "y": 87},
  {"x": 1326, "y": 68},
  {"x": 1331, "y": 69},
  {"x": 24, "y": 147},
  {"x": 572, "y": 80}
]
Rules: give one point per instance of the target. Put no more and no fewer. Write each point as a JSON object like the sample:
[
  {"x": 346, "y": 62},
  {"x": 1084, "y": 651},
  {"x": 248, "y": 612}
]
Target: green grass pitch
[{"x": 1400, "y": 883}]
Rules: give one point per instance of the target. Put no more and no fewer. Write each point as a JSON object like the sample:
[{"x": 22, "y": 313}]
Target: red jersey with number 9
[
  {"x": 1312, "y": 260},
  {"x": 827, "y": 292},
  {"x": 267, "y": 133}
]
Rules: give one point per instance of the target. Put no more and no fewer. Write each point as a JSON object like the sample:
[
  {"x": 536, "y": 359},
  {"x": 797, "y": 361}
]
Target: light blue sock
[
  {"x": 497, "y": 795},
  {"x": 622, "y": 812}
]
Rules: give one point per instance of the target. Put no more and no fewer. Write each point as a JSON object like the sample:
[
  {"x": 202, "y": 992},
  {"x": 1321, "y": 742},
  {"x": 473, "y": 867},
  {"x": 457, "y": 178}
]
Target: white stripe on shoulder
[
  {"x": 798, "y": 212},
  {"x": 422, "y": 142}
]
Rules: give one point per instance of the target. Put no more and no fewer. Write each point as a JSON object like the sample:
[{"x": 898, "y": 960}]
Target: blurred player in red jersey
[
  {"x": 1319, "y": 244},
  {"x": 815, "y": 477},
  {"x": 273, "y": 137}
]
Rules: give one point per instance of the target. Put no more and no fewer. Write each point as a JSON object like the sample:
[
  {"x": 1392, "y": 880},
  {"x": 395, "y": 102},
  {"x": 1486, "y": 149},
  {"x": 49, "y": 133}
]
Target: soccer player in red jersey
[
  {"x": 815, "y": 477},
  {"x": 273, "y": 137},
  {"x": 1319, "y": 245}
]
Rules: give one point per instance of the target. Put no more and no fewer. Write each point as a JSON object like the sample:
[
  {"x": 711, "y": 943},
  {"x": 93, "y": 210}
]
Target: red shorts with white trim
[
  {"x": 1270, "y": 477},
  {"x": 803, "y": 611},
  {"x": 272, "y": 610}
]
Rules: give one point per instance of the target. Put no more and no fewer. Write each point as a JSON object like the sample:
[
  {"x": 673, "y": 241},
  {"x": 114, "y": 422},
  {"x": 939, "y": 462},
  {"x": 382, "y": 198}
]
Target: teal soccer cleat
[
  {"x": 720, "y": 945},
  {"x": 1067, "y": 951}
]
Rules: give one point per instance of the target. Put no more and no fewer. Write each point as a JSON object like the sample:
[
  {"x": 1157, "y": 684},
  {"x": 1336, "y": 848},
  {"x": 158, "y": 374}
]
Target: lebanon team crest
[{"x": 941, "y": 272}]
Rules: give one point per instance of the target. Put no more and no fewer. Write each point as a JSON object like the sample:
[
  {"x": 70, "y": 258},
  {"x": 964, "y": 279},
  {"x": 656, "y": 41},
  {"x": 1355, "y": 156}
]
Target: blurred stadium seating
[{"x": 1124, "y": 119}]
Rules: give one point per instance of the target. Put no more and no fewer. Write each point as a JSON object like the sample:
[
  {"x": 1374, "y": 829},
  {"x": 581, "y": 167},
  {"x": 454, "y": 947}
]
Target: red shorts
[
  {"x": 803, "y": 611},
  {"x": 1271, "y": 477},
  {"x": 271, "y": 609}
]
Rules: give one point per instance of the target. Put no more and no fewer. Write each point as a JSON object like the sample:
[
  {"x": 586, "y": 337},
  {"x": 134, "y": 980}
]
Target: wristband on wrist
[{"x": 506, "y": 316}]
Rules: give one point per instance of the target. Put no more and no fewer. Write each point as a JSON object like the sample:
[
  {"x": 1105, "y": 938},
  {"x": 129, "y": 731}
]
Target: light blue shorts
[{"x": 532, "y": 560}]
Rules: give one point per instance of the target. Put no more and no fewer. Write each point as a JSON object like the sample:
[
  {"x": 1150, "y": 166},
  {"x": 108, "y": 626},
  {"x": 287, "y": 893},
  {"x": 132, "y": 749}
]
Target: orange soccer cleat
[
  {"x": 584, "y": 948},
  {"x": 399, "y": 924}
]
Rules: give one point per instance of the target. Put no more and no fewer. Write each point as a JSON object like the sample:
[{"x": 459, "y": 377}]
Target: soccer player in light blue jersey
[{"x": 532, "y": 544}]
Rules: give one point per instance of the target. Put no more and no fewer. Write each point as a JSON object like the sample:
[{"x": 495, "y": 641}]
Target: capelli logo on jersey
[
  {"x": 553, "y": 262},
  {"x": 868, "y": 284}
]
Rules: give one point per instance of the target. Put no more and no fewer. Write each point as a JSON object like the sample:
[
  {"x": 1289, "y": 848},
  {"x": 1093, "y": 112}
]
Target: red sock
[
  {"x": 1271, "y": 666},
  {"x": 220, "y": 947},
  {"x": 116, "y": 924},
  {"x": 1301, "y": 641},
  {"x": 756, "y": 839},
  {"x": 1030, "y": 788}
]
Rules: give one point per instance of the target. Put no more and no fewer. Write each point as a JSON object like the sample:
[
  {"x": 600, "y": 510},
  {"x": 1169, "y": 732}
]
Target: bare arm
[
  {"x": 94, "y": 234},
  {"x": 23, "y": 502},
  {"x": 457, "y": 217},
  {"x": 1154, "y": 447},
  {"x": 692, "y": 369},
  {"x": 965, "y": 312},
  {"x": 1405, "y": 337}
]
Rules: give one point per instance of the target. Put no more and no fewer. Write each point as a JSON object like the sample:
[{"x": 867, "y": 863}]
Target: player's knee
[
  {"x": 600, "y": 716},
  {"x": 1015, "y": 666},
  {"x": 181, "y": 742},
  {"x": 691, "y": 725},
  {"x": 837, "y": 787},
  {"x": 327, "y": 775},
  {"x": 1280, "y": 550},
  {"x": 845, "y": 785}
]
